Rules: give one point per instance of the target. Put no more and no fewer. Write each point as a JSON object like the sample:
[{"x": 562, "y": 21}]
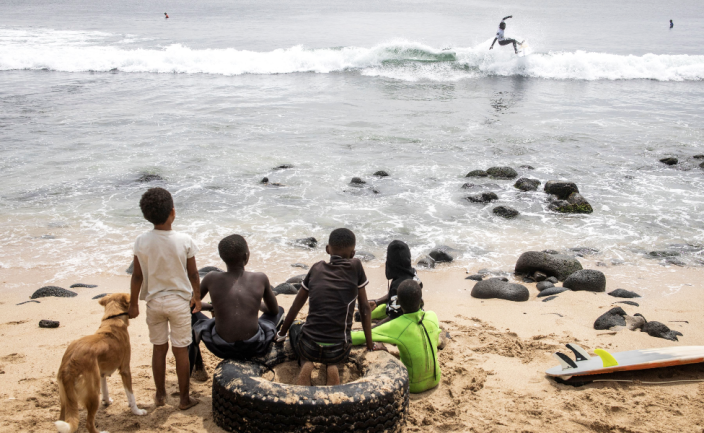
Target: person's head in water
[
  {"x": 502, "y": 26},
  {"x": 409, "y": 296},
  {"x": 234, "y": 250},
  {"x": 341, "y": 243}
]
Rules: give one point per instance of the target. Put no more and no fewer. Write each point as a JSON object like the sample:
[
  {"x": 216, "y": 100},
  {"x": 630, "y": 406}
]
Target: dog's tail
[{"x": 69, "y": 403}]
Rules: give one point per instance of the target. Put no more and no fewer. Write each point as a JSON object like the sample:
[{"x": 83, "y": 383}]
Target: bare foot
[
  {"x": 333, "y": 375},
  {"x": 199, "y": 375},
  {"x": 192, "y": 401},
  {"x": 159, "y": 400},
  {"x": 304, "y": 375}
]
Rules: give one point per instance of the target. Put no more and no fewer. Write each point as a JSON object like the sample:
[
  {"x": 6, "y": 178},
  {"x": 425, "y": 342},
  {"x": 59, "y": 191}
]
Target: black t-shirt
[{"x": 332, "y": 291}]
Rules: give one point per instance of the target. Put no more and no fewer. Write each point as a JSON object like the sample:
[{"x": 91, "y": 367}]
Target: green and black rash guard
[{"x": 417, "y": 336}]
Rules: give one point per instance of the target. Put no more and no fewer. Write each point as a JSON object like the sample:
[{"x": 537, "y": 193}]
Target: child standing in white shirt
[{"x": 166, "y": 276}]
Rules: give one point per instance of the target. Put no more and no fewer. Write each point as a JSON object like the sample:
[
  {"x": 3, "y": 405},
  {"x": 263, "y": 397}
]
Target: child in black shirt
[{"x": 332, "y": 289}]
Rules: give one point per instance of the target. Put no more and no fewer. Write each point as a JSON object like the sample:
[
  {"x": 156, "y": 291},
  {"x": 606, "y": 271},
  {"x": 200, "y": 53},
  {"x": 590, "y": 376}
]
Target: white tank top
[{"x": 500, "y": 34}]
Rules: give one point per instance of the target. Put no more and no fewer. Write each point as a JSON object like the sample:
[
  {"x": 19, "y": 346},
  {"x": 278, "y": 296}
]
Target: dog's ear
[
  {"x": 104, "y": 300},
  {"x": 125, "y": 301}
]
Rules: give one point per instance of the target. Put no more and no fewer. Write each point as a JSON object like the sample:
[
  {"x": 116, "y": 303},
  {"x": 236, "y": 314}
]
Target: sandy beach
[{"x": 493, "y": 367}]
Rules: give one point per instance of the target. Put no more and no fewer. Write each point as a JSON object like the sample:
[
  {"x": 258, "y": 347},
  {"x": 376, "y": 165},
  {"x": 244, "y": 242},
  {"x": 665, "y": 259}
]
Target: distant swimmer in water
[
  {"x": 672, "y": 24},
  {"x": 166, "y": 15},
  {"x": 500, "y": 36}
]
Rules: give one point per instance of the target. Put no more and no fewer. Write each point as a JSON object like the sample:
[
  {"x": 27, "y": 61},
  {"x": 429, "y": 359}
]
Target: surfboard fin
[
  {"x": 564, "y": 361},
  {"x": 579, "y": 353},
  {"x": 607, "y": 359}
]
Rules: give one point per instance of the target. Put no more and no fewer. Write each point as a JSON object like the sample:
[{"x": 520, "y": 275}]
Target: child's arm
[
  {"x": 366, "y": 312},
  {"x": 194, "y": 278},
  {"x": 135, "y": 287},
  {"x": 298, "y": 303},
  {"x": 269, "y": 303},
  {"x": 383, "y": 300}
]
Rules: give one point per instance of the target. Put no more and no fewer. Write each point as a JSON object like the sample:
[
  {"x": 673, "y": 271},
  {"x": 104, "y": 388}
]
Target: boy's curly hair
[
  {"x": 156, "y": 205},
  {"x": 342, "y": 238},
  {"x": 233, "y": 249},
  {"x": 410, "y": 295}
]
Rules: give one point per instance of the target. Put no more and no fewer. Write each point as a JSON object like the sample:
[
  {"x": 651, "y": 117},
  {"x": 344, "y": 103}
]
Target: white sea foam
[{"x": 398, "y": 59}]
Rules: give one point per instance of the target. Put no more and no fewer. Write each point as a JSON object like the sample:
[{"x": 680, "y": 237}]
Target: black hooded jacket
[{"x": 398, "y": 265}]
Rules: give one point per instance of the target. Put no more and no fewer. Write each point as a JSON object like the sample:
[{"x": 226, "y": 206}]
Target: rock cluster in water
[
  {"x": 148, "y": 177},
  {"x": 309, "y": 242},
  {"x": 565, "y": 197},
  {"x": 525, "y": 184},
  {"x": 485, "y": 197},
  {"x": 505, "y": 212},
  {"x": 494, "y": 173},
  {"x": 443, "y": 254}
]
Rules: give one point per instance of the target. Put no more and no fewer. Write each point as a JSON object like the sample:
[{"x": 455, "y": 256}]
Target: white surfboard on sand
[{"x": 606, "y": 362}]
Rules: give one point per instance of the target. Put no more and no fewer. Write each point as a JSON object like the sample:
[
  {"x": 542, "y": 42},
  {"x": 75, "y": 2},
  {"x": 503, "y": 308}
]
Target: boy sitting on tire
[
  {"x": 416, "y": 334},
  {"x": 238, "y": 296},
  {"x": 332, "y": 289}
]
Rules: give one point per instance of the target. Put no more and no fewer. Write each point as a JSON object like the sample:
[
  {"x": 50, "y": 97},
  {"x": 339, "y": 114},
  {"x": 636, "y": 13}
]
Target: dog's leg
[
  {"x": 104, "y": 389},
  {"x": 127, "y": 383},
  {"x": 92, "y": 402}
]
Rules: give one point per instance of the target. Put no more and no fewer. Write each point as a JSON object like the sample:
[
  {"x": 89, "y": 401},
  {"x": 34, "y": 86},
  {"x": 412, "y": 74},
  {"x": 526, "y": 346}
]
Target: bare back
[{"x": 237, "y": 299}]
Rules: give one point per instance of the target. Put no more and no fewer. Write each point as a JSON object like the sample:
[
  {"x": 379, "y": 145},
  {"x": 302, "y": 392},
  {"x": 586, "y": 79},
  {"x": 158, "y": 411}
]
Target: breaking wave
[{"x": 398, "y": 59}]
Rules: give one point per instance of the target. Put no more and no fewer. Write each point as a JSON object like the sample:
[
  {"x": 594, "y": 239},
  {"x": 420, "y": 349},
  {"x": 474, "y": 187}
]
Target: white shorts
[{"x": 170, "y": 311}]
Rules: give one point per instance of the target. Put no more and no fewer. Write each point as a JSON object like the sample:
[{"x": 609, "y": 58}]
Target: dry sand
[{"x": 493, "y": 367}]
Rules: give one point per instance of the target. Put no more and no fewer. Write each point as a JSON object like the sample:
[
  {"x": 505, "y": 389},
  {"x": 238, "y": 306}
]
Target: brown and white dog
[{"x": 89, "y": 360}]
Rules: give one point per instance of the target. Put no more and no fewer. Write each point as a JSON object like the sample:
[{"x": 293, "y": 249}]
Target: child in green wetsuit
[{"x": 416, "y": 334}]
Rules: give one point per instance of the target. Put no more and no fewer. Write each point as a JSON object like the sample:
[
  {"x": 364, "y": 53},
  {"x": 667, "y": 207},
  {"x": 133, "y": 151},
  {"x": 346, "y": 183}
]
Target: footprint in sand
[
  {"x": 16, "y": 322},
  {"x": 13, "y": 358}
]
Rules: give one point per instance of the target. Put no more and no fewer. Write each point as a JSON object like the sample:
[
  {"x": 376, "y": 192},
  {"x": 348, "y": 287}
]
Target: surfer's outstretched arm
[
  {"x": 492, "y": 44},
  {"x": 505, "y": 18}
]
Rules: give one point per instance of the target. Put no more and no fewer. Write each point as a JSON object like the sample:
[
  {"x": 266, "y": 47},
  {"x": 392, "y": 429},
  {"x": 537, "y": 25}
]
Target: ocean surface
[{"x": 95, "y": 95}]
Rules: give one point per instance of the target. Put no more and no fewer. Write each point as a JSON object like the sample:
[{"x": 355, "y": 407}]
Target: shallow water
[{"x": 217, "y": 96}]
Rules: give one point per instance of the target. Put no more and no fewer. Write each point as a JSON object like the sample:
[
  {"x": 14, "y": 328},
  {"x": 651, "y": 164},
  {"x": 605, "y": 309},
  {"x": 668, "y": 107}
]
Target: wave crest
[{"x": 398, "y": 59}]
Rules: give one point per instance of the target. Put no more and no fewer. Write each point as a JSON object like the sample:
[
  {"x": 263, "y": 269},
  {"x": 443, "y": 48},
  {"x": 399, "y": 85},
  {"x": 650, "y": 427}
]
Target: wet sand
[{"x": 493, "y": 367}]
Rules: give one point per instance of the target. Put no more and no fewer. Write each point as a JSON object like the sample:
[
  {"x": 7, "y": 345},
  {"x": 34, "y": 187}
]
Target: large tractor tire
[{"x": 243, "y": 401}]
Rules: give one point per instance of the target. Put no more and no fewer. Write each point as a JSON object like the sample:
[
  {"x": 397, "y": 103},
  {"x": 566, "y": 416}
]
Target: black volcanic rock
[
  {"x": 505, "y": 212},
  {"x": 496, "y": 288},
  {"x": 557, "y": 265},
  {"x": 561, "y": 189},
  {"x": 525, "y": 184},
  {"x": 622, "y": 293},
  {"x": 485, "y": 197},
  {"x": 502, "y": 173},
  {"x": 477, "y": 173},
  {"x": 53, "y": 291},
  {"x": 613, "y": 317},
  {"x": 589, "y": 280}
]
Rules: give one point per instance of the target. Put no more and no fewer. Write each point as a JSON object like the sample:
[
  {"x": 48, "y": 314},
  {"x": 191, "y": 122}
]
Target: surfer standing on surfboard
[{"x": 500, "y": 36}]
